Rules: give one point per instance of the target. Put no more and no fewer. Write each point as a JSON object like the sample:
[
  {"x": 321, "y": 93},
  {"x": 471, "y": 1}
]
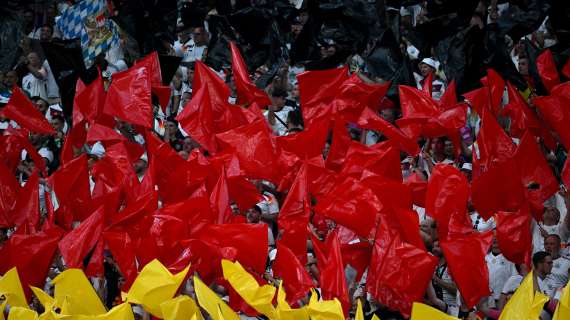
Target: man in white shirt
[
  {"x": 542, "y": 263},
  {"x": 560, "y": 265},
  {"x": 35, "y": 82},
  {"x": 278, "y": 112},
  {"x": 500, "y": 270},
  {"x": 192, "y": 49}
]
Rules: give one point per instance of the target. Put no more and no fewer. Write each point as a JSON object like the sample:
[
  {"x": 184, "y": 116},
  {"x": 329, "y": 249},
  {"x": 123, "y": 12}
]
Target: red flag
[
  {"x": 152, "y": 63},
  {"x": 32, "y": 255},
  {"x": 220, "y": 200},
  {"x": 554, "y": 111},
  {"x": 381, "y": 159},
  {"x": 498, "y": 189},
  {"x": 320, "y": 86},
  {"x": 310, "y": 142},
  {"x": 339, "y": 146},
  {"x": 357, "y": 255},
  {"x": 197, "y": 119},
  {"x": 479, "y": 99},
  {"x": 535, "y": 170},
  {"x": 71, "y": 185},
  {"x": 129, "y": 97},
  {"x": 90, "y": 101},
  {"x": 522, "y": 118},
  {"x": 98, "y": 132},
  {"x": 354, "y": 95},
  {"x": 494, "y": 144},
  {"x": 77, "y": 244},
  {"x": 566, "y": 69},
  {"x": 447, "y": 193},
  {"x": 408, "y": 225},
  {"x": 27, "y": 206},
  {"x": 417, "y": 104},
  {"x": 496, "y": 86},
  {"x": 226, "y": 116},
  {"x": 243, "y": 192},
  {"x": 20, "y": 109},
  {"x": 427, "y": 87},
  {"x": 449, "y": 97},
  {"x": 513, "y": 235},
  {"x": 74, "y": 140},
  {"x": 254, "y": 148},
  {"x": 331, "y": 268},
  {"x": 296, "y": 280},
  {"x": 469, "y": 271},
  {"x": 352, "y": 205},
  {"x": 250, "y": 241},
  {"x": 370, "y": 120},
  {"x": 293, "y": 218},
  {"x": 77, "y": 116},
  {"x": 95, "y": 267},
  {"x": 565, "y": 174},
  {"x": 547, "y": 70},
  {"x": 9, "y": 191},
  {"x": 419, "y": 188},
  {"x": 247, "y": 92},
  {"x": 163, "y": 93},
  {"x": 121, "y": 246},
  {"x": 399, "y": 273}
]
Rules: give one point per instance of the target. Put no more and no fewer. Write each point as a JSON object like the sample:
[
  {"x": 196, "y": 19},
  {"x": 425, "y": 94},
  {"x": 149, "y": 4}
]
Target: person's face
[
  {"x": 45, "y": 34},
  {"x": 278, "y": 102},
  {"x": 42, "y": 106},
  {"x": 29, "y": 17},
  {"x": 388, "y": 115},
  {"x": 552, "y": 245},
  {"x": 57, "y": 124},
  {"x": 10, "y": 79},
  {"x": 303, "y": 17},
  {"x": 425, "y": 69},
  {"x": 200, "y": 36},
  {"x": 438, "y": 146},
  {"x": 296, "y": 29},
  {"x": 448, "y": 148},
  {"x": 252, "y": 215},
  {"x": 34, "y": 59},
  {"x": 436, "y": 249},
  {"x": 551, "y": 215},
  {"x": 184, "y": 36},
  {"x": 546, "y": 265},
  {"x": 171, "y": 126},
  {"x": 190, "y": 74},
  {"x": 523, "y": 67}
]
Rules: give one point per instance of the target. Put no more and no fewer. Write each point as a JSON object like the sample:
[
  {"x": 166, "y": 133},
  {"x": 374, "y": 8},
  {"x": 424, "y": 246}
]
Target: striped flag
[{"x": 87, "y": 20}]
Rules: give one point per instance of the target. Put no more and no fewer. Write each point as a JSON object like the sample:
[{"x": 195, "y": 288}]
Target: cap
[
  {"x": 430, "y": 62},
  {"x": 56, "y": 107},
  {"x": 467, "y": 166}
]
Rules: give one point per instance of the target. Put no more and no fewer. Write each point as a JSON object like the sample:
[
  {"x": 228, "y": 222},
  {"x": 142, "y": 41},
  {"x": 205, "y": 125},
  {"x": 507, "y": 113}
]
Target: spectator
[
  {"x": 277, "y": 113},
  {"x": 35, "y": 82}
]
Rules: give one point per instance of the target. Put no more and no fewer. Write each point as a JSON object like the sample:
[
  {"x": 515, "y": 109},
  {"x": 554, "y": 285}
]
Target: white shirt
[
  {"x": 279, "y": 128},
  {"x": 512, "y": 284},
  {"x": 52, "y": 87},
  {"x": 189, "y": 51},
  {"x": 35, "y": 87},
  {"x": 537, "y": 239},
  {"x": 559, "y": 274},
  {"x": 481, "y": 224},
  {"x": 500, "y": 270},
  {"x": 269, "y": 204}
]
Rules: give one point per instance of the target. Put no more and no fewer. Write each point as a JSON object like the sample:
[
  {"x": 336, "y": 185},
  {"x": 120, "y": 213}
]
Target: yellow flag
[
  {"x": 19, "y": 313},
  {"x": 375, "y": 317},
  {"x": 359, "y": 312},
  {"x": 120, "y": 312},
  {"x": 324, "y": 310},
  {"x": 259, "y": 298},
  {"x": 210, "y": 301},
  {"x": 2, "y": 306},
  {"x": 422, "y": 311},
  {"x": 563, "y": 308},
  {"x": 284, "y": 310},
  {"x": 11, "y": 288},
  {"x": 180, "y": 308},
  {"x": 74, "y": 294},
  {"x": 154, "y": 285},
  {"x": 45, "y": 299},
  {"x": 525, "y": 303}
]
